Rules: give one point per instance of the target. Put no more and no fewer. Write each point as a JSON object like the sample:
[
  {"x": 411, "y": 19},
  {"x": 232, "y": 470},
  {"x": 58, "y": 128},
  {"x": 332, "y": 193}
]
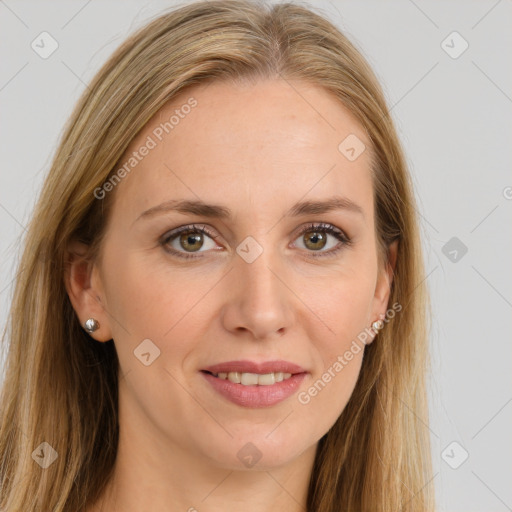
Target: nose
[{"x": 260, "y": 302}]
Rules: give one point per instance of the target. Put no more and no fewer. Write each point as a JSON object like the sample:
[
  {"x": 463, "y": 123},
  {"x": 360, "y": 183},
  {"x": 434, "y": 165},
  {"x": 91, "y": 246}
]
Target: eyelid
[{"x": 189, "y": 227}]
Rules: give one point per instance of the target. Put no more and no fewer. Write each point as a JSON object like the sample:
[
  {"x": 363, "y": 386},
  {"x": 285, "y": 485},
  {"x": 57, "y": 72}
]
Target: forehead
[{"x": 247, "y": 143}]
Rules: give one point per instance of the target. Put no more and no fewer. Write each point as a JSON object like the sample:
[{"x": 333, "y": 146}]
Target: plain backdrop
[{"x": 445, "y": 68}]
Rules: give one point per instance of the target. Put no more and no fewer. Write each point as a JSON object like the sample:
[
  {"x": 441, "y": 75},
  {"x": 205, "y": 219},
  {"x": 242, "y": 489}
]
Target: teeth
[
  {"x": 252, "y": 379},
  {"x": 233, "y": 377},
  {"x": 249, "y": 379},
  {"x": 266, "y": 380}
]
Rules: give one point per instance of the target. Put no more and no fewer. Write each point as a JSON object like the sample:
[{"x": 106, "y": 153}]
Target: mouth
[{"x": 250, "y": 384}]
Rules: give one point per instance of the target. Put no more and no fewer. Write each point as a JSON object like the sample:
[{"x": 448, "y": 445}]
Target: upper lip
[{"x": 254, "y": 367}]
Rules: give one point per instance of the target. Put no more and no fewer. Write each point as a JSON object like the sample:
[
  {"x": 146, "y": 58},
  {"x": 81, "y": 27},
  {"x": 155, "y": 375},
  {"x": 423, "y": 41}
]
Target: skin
[{"x": 256, "y": 149}]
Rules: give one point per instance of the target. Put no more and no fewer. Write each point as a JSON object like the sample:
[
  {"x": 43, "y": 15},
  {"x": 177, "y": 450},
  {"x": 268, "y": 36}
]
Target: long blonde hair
[{"x": 60, "y": 387}]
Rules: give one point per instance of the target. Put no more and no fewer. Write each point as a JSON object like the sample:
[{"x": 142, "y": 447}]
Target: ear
[
  {"x": 383, "y": 286},
  {"x": 84, "y": 289}
]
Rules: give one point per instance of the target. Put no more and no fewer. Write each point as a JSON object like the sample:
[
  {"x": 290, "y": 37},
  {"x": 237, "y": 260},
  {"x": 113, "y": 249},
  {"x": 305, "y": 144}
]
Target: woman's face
[{"x": 260, "y": 291}]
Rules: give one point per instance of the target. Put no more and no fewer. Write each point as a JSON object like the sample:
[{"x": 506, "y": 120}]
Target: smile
[{"x": 254, "y": 390}]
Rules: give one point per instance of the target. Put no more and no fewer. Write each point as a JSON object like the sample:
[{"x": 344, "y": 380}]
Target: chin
[{"x": 256, "y": 452}]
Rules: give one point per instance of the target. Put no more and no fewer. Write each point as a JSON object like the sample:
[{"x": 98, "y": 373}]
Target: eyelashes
[{"x": 192, "y": 234}]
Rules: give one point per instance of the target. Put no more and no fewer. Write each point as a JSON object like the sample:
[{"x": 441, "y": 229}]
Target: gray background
[{"x": 454, "y": 118}]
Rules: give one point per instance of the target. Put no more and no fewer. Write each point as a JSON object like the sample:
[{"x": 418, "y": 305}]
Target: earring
[
  {"x": 91, "y": 325},
  {"x": 377, "y": 326}
]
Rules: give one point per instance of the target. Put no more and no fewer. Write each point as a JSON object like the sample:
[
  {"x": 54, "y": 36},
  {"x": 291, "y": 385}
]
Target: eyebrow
[{"x": 200, "y": 208}]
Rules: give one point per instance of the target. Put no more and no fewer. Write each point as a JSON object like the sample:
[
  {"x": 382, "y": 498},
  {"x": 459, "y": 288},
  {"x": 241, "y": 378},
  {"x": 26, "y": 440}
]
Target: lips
[
  {"x": 251, "y": 384},
  {"x": 262, "y": 368}
]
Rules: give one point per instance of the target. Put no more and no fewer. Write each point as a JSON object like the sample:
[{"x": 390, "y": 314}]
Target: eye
[
  {"x": 189, "y": 239},
  {"x": 315, "y": 238},
  {"x": 184, "y": 241}
]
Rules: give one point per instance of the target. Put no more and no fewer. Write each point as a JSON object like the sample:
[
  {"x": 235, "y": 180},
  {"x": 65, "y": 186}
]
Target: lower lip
[{"x": 255, "y": 396}]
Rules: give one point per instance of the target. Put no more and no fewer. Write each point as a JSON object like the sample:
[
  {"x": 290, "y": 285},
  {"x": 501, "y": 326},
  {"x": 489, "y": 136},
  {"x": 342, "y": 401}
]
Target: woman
[{"x": 219, "y": 299}]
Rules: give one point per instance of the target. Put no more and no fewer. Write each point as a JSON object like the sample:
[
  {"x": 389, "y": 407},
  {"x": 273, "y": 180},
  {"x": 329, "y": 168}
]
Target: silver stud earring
[
  {"x": 377, "y": 326},
  {"x": 91, "y": 325}
]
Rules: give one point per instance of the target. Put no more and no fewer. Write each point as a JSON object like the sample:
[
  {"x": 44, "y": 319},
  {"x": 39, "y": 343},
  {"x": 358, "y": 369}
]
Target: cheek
[
  {"x": 344, "y": 309},
  {"x": 149, "y": 299},
  {"x": 154, "y": 324},
  {"x": 172, "y": 309},
  {"x": 327, "y": 392},
  {"x": 343, "y": 305}
]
